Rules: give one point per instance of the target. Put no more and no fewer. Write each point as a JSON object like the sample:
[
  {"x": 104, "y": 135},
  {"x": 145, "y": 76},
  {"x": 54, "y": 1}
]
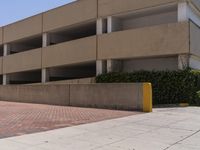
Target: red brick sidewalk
[{"x": 19, "y": 118}]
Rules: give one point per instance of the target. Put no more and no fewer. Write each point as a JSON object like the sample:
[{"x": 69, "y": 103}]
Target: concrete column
[
  {"x": 109, "y": 30},
  {"x": 45, "y": 39},
  {"x": 6, "y": 79},
  {"x": 183, "y": 12},
  {"x": 113, "y": 24},
  {"x": 109, "y": 24},
  {"x": 183, "y": 61},
  {"x": 100, "y": 64},
  {"x": 100, "y": 67},
  {"x": 99, "y": 26},
  {"x": 109, "y": 66},
  {"x": 45, "y": 75},
  {"x": 6, "y": 51},
  {"x": 45, "y": 43},
  {"x": 114, "y": 66}
]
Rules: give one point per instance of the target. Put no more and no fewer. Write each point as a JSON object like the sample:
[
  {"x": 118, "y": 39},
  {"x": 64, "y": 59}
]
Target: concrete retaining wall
[{"x": 117, "y": 96}]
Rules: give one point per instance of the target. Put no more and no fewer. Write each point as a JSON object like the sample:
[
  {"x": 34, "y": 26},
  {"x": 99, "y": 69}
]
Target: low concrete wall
[
  {"x": 133, "y": 96},
  {"x": 119, "y": 96},
  {"x": 51, "y": 94}
]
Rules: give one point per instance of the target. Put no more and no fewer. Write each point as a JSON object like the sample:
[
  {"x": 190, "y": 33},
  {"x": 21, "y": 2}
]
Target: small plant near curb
[{"x": 169, "y": 87}]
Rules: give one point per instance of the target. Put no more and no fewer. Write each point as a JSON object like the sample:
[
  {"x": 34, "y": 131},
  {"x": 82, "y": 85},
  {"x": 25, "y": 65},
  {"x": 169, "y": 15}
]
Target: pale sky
[{"x": 14, "y": 10}]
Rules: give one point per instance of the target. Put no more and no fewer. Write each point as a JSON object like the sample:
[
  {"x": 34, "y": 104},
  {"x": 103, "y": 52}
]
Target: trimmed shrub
[{"x": 169, "y": 87}]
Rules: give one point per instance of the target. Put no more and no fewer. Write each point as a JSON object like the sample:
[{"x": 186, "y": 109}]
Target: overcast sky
[{"x": 14, "y": 10}]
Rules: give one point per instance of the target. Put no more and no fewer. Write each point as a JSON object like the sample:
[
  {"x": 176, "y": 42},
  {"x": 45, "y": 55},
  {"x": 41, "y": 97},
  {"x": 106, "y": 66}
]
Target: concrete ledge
[{"x": 131, "y": 96}]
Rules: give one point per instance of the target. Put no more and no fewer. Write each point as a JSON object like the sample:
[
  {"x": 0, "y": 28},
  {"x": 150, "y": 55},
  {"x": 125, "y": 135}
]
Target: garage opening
[
  {"x": 78, "y": 71},
  {"x": 25, "y": 77}
]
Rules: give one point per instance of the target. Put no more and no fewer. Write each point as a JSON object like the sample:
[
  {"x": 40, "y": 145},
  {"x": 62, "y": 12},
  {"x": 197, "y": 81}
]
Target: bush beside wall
[{"x": 169, "y": 87}]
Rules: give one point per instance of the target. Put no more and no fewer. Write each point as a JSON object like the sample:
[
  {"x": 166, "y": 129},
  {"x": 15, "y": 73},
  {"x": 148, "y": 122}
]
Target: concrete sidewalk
[{"x": 164, "y": 129}]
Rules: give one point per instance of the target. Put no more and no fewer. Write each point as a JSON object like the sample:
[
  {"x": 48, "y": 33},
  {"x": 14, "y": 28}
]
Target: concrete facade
[
  {"x": 25, "y": 61},
  {"x": 23, "y": 29},
  {"x": 70, "y": 53},
  {"x": 146, "y": 40},
  {"x": 81, "y": 11},
  {"x": 89, "y": 37}
]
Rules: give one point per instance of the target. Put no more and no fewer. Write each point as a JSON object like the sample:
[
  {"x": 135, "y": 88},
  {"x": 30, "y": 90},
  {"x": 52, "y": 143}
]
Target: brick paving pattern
[{"x": 19, "y": 118}]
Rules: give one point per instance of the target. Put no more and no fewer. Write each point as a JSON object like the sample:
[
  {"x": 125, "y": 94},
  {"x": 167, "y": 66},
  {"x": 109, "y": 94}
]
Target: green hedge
[{"x": 169, "y": 87}]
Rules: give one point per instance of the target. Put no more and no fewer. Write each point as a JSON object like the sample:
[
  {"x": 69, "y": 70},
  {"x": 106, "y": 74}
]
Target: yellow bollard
[{"x": 147, "y": 97}]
